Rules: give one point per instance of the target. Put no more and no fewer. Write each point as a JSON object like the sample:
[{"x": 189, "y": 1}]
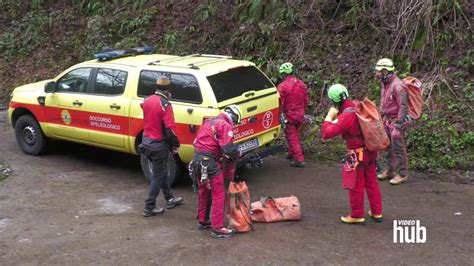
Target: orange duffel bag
[
  {"x": 269, "y": 210},
  {"x": 238, "y": 207}
]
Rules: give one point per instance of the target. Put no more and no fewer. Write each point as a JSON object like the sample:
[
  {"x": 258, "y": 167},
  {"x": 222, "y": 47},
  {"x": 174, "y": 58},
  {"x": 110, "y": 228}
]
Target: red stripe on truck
[{"x": 250, "y": 126}]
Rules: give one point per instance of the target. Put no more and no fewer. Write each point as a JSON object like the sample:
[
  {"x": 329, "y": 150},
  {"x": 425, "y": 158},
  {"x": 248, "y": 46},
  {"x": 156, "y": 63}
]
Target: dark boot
[
  {"x": 154, "y": 211},
  {"x": 173, "y": 202},
  {"x": 204, "y": 225},
  {"x": 298, "y": 164}
]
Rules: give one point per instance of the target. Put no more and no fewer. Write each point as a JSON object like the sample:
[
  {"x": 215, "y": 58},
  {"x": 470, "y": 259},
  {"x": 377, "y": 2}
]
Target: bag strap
[
  {"x": 349, "y": 110},
  {"x": 263, "y": 200},
  {"x": 231, "y": 201},
  {"x": 401, "y": 83},
  {"x": 245, "y": 199},
  {"x": 213, "y": 128},
  {"x": 246, "y": 216},
  {"x": 352, "y": 110},
  {"x": 235, "y": 197}
]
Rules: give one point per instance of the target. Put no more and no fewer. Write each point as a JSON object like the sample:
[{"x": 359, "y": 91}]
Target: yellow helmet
[{"x": 384, "y": 63}]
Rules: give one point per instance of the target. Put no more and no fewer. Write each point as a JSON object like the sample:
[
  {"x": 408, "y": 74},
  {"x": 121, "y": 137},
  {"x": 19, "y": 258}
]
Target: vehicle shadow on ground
[
  {"x": 93, "y": 155},
  {"x": 100, "y": 157}
]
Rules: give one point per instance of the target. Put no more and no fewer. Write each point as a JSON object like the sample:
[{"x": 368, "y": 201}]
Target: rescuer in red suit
[
  {"x": 294, "y": 100},
  {"x": 214, "y": 145},
  {"x": 394, "y": 109},
  {"x": 342, "y": 120}
]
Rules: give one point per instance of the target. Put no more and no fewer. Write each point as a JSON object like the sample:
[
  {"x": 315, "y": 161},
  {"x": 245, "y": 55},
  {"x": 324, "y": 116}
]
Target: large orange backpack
[
  {"x": 238, "y": 207},
  {"x": 269, "y": 210},
  {"x": 371, "y": 124},
  {"x": 415, "y": 99}
]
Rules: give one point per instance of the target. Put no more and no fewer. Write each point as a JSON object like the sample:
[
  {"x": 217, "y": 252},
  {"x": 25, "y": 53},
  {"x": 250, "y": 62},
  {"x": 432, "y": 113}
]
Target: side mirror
[{"x": 50, "y": 87}]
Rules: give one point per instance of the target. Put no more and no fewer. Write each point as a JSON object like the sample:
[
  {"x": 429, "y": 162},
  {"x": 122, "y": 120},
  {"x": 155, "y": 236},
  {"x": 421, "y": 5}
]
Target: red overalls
[
  {"x": 394, "y": 108},
  {"x": 294, "y": 100},
  {"x": 214, "y": 142},
  {"x": 348, "y": 126}
]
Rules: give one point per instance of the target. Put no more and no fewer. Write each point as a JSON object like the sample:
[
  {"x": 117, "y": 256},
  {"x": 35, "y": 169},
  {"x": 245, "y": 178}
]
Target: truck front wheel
[{"x": 29, "y": 135}]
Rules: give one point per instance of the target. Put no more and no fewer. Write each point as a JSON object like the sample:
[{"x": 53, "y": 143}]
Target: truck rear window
[
  {"x": 184, "y": 87},
  {"x": 236, "y": 81}
]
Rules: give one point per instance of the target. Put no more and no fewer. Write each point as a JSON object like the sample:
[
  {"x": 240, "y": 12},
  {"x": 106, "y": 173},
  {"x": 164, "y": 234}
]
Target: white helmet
[
  {"x": 385, "y": 63},
  {"x": 235, "y": 113}
]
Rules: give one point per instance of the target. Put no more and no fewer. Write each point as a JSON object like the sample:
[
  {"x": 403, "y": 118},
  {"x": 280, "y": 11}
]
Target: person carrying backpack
[
  {"x": 294, "y": 100},
  {"x": 215, "y": 154},
  {"x": 342, "y": 120},
  {"x": 394, "y": 110}
]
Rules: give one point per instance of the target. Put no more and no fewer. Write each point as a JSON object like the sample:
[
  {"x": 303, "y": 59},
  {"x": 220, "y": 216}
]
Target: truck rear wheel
[
  {"x": 174, "y": 168},
  {"x": 29, "y": 135}
]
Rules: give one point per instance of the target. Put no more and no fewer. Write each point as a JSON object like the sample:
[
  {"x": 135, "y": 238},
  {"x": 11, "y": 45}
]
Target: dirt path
[{"x": 81, "y": 205}]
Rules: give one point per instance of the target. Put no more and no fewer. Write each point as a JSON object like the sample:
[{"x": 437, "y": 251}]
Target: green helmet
[
  {"x": 338, "y": 93},
  {"x": 286, "y": 68},
  {"x": 384, "y": 63}
]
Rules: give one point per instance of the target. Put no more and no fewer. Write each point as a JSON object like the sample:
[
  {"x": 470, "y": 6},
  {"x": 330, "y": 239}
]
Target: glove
[
  {"x": 332, "y": 114},
  {"x": 239, "y": 178},
  {"x": 395, "y": 134}
]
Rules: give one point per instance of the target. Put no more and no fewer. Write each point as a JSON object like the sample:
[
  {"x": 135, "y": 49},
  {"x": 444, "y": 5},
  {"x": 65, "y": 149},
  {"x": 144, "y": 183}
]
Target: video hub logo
[{"x": 408, "y": 231}]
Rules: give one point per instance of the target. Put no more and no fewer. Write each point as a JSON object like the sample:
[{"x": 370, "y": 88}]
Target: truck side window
[
  {"x": 184, "y": 87},
  {"x": 110, "y": 81},
  {"x": 74, "y": 81}
]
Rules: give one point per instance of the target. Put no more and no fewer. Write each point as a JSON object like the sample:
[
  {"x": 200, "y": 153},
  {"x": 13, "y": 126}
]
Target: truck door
[
  {"x": 66, "y": 107},
  {"x": 108, "y": 109}
]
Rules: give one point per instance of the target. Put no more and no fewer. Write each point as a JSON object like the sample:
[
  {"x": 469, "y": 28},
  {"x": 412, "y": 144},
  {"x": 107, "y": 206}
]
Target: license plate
[{"x": 248, "y": 145}]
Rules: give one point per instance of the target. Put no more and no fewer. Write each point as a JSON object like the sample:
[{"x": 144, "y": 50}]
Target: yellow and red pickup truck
[{"x": 97, "y": 103}]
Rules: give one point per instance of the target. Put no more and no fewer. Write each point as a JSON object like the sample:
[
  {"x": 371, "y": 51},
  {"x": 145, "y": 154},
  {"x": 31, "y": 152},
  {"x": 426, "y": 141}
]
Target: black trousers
[{"x": 159, "y": 180}]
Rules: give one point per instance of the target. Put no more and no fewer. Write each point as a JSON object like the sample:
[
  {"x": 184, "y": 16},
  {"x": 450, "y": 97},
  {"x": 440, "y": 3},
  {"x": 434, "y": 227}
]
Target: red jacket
[
  {"x": 158, "y": 119},
  {"x": 219, "y": 140},
  {"x": 348, "y": 126},
  {"x": 294, "y": 98},
  {"x": 394, "y": 99}
]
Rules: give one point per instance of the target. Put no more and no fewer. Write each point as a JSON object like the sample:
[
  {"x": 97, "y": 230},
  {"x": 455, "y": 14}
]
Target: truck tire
[
  {"x": 29, "y": 135},
  {"x": 174, "y": 168}
]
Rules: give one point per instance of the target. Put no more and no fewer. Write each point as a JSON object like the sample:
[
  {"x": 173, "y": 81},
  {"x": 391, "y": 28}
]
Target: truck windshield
[{"x": 236, "y": 81}]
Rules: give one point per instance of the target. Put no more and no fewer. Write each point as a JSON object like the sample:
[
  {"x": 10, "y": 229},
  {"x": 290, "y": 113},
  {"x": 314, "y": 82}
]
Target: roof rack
[
  {"x": 173, "y": 59},
  {"x": 212, "y": 59}
]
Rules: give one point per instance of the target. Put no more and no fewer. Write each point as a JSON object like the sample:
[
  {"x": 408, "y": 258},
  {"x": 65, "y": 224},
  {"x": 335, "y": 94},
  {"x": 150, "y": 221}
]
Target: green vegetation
[
  {"x": 328, "y": 41},
  {"x": 205, "y": 11},
  {"x": 26, "y": 34}
]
